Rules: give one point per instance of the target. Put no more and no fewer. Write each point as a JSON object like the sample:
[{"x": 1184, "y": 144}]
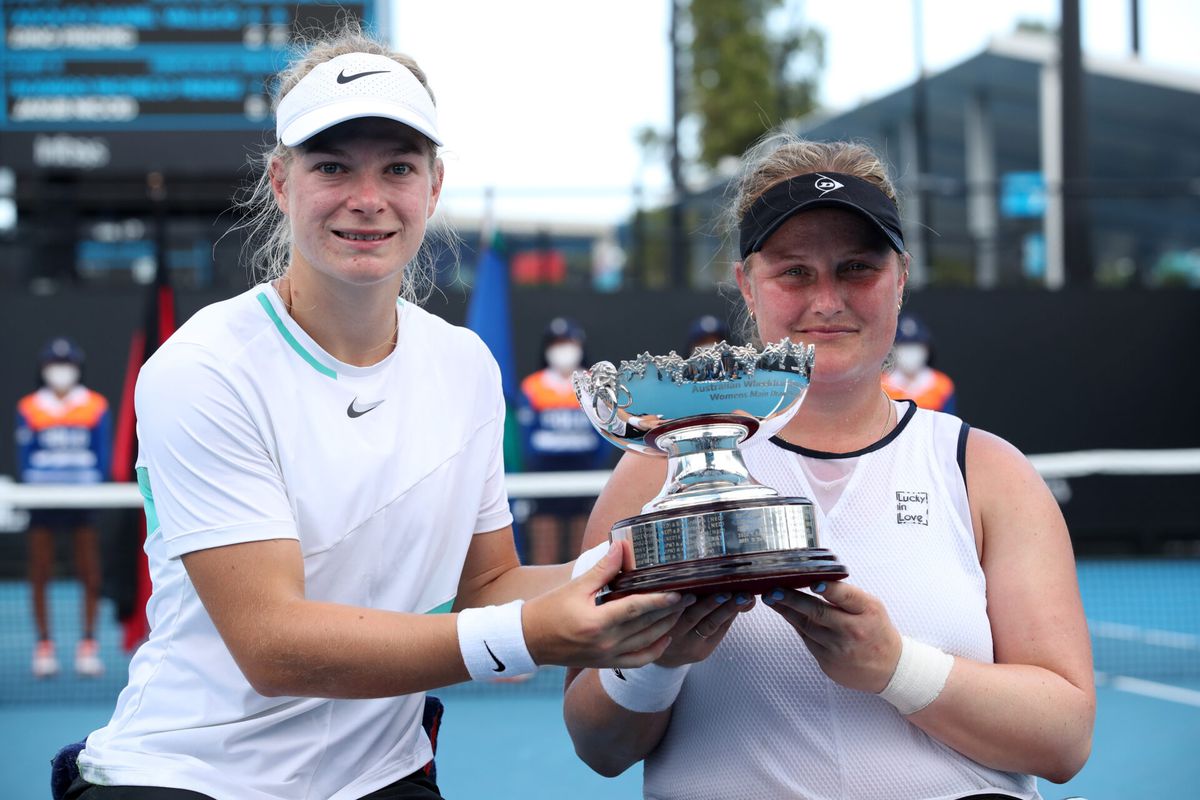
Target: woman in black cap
[{"x": 954, "y": 661}]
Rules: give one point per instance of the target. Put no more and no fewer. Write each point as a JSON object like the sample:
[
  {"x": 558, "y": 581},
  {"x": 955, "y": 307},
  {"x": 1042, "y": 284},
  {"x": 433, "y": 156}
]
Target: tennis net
[{"x": 1143, "y": 605}]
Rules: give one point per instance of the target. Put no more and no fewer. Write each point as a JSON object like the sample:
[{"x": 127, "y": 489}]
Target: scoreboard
[{"x": 129, "y": 85}]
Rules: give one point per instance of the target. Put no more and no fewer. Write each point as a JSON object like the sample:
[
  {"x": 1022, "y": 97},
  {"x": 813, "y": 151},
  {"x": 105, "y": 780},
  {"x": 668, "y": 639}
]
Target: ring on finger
[{"x": 698, "y": 633}]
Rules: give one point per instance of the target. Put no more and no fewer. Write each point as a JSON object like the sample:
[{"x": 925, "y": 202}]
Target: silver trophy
[{"x": 712, "y": 527}]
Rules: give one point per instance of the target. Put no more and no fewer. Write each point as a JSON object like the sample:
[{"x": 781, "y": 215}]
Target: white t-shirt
[
  {"x": 759, "y": 720},
  {"x": 249, "y": 431}
]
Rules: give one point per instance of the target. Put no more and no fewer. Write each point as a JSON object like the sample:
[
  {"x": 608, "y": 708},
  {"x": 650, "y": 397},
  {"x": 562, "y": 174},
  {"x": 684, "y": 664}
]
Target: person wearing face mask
[
  {"x": 63, "y": 436},
  {"x": 557, "y": 436},
  {"x": 912, "y": 377}
]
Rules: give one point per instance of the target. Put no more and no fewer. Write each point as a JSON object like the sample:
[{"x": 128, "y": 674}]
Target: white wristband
[
  {"x": 645, "y": 689},
  {"x": 492, "y": 642},
  {"x": 919, "y": 678}
]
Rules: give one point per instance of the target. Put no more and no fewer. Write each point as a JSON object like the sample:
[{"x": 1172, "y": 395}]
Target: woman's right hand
[
  {"x": 566, "y": 626},
  {"x": 702, "y": 626}
]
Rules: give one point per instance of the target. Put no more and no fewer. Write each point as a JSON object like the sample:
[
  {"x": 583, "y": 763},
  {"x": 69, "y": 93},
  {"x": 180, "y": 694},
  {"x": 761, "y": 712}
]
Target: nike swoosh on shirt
[
  {"x": 353, "y": 411},
  {"x": 344, "y": 78},
  {"x": 499, "y": 664}
]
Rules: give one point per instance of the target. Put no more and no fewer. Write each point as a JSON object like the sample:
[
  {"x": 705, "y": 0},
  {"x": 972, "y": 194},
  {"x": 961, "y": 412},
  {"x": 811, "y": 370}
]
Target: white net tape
[{"x": 530, "y": 485}]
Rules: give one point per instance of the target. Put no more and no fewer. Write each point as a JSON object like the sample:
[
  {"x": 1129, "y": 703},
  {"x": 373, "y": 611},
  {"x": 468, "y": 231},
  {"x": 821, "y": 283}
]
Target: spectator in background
[
  {"x": 63, "y": 436},
  {"x": 558, "y": 436},
  {"x": 704, "y": 331},
  {"x": 912, "y": 377}
]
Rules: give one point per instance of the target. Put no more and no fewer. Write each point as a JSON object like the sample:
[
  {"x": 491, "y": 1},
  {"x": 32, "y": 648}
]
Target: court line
[
  {"x": 1148, "y": 636},
  {"x": 1159, "y": 691},
  {"x": 1136, "y": 633}
]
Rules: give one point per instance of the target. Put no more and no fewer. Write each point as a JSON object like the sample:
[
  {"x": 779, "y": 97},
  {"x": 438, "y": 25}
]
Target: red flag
[{"x": 158, "y": 323}]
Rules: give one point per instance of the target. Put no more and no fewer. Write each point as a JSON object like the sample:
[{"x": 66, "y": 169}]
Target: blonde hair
[
  {"x": 267, "y": 249},
  {"x": 779, "y": 156}
]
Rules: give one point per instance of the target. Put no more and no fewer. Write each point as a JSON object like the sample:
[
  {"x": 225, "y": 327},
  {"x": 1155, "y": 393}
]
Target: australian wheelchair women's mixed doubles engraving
[{"x": 712, "y": 525}]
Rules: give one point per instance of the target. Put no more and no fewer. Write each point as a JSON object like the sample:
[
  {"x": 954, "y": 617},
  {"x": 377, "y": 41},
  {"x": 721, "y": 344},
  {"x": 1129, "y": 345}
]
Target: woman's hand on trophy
[
  {"x": 702, "y": 626},
  {"x": 847, "y": 630},
  {"x": 566, "y": 626}
]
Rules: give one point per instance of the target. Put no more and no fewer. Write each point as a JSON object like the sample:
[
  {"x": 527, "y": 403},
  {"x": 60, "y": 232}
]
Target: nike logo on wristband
[
  {"x": 499, "y": 664},
  {"x": 353, "y": 411},
  {"x": 619, "y": 674},
  {"x": 344, "y": 78}
]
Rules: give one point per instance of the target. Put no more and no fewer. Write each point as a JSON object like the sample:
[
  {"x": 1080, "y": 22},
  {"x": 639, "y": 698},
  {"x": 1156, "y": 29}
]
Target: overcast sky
[{"x": 541, "y": 99}]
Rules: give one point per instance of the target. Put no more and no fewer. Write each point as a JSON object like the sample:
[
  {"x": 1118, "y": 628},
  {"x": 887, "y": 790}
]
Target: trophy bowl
[{"x": 712, "y": 527}]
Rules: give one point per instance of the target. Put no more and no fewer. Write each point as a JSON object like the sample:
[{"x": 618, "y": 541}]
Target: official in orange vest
[
  {"x": 63, "y": 438},
  {"x": 558, "y": 436},
  {"x": 912, "y": 377}
]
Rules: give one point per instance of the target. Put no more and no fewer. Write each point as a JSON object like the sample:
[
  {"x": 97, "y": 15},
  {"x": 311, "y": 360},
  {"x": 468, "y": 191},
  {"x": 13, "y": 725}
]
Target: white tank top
[{"x": 758, "y": 720}]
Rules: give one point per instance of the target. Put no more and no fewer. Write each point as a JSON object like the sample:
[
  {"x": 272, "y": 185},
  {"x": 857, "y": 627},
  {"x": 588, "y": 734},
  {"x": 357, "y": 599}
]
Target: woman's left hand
[{"x": 846, "y": 629}]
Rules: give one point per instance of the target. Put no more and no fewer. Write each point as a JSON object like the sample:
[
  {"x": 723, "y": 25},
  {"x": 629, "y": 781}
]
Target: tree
[{"x": 750, "y": 71}]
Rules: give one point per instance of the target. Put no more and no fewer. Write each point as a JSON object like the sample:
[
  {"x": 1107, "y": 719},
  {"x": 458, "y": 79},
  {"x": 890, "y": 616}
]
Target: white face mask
[
  {"x": 911, "y": 358},
  {"x": 60, "y": 378},
  {"x": 564, "y": 357}
]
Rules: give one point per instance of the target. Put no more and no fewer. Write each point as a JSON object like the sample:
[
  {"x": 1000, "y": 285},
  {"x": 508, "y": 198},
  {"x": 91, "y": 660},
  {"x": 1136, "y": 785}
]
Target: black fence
[{"x": 1049, "y": 371}]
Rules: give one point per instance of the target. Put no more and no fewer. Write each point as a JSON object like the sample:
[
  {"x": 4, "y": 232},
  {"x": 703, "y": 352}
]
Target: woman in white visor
[{"x": 321, "y": 464}]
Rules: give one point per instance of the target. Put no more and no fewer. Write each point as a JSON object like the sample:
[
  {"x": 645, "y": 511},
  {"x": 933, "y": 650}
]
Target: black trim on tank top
[
  {"x": 884, "y": 442},
  {"x": 962, "y": 450}
]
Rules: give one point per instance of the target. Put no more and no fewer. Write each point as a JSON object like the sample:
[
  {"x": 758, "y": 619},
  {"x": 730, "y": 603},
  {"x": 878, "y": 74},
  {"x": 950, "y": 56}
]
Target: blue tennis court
[{"x": 508, "y": 740}]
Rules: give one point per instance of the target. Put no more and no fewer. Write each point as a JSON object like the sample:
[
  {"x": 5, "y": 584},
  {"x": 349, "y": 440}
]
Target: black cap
[
  {"x": 563, "y": 328},
  {"x": 707, "y": 326},
  {"x": 61, "y": 350},
  {"x": 818, "y": 190},
  {"x": 910, "y": 329}
]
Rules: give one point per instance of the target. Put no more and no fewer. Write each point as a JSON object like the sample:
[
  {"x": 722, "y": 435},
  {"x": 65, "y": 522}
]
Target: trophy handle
[
  {"x": 628, "y": 396},
  {"x": 611, "y": 398},
  {"x": 608, "y": 396}
]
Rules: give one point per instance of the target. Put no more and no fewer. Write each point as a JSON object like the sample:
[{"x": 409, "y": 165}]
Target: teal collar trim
[
  {"x": 291, "y": 340},
  {"x": 444, "y": 608},
  {"x": 143, "y": 481}
]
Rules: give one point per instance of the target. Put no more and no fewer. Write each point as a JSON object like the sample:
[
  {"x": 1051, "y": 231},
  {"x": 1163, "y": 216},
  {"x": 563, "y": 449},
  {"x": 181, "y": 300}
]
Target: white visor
[{"x": 351, "y": 86}]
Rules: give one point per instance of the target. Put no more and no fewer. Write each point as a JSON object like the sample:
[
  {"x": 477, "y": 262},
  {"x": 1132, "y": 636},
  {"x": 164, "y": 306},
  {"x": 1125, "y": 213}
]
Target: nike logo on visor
[
  {"x": 344, "y": 78},
  {"x": 353, "y": 410}
]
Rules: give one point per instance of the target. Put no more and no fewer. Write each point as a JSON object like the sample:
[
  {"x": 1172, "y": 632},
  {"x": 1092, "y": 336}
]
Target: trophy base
[
  {"x": 749, "y": 574},
  {"x": 746, "y": 545}
]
